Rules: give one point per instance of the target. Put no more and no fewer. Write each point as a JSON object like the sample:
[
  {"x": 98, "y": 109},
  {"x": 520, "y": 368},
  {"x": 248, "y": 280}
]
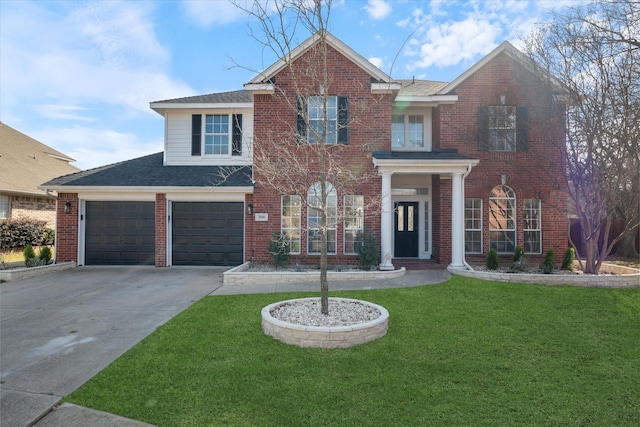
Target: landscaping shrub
[
  {"x": 368, "y": 250},
  {"x": 30, "y": 259},
  {"x": 18, "y": 233},
  {"x": 279, "y": 249},
  {"x": 45, "y": 254},
  {"x": 518, "y": 254},
  {"x": 568, "y": 258},
  {"x": 49, "y": 236},
  {"x": 493, "y": 260},
  {"x": 548, "y": 265}
]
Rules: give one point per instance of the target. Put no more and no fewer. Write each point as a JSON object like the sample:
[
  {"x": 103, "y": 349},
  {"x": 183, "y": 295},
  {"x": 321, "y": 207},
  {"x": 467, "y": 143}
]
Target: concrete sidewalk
[{"x": 60, "y": 330}]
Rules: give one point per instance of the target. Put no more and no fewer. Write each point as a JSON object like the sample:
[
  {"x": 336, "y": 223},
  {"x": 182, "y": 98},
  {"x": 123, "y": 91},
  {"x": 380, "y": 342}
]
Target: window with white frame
[
  {"x": 502, "y": 219},
  {"x": 5, "y": 207},
  {"x": 290, "y": 221},
  {"x": 532, "y": 226},
  {"x": 473, "y": 226},
  {"x": 316, "y": 115},
  {"x": 502, "y": 128},
  {"x": 407, "y": 131},
  {"x": 353, "y": 223},
  {"x": 315, "y": 206},
  {"x": 216, "y": 134}
]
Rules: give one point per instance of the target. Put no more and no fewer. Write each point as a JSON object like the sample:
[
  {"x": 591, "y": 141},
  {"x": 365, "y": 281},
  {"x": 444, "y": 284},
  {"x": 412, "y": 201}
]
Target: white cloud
[
  {"x": 65, "y": 112},
  {"x": 106, "y": 146},
  {"x": 207, "y": 13},
  {"x": 378, "y": 9},
  {"x": 101, "y": 52},
  {"x": 378, "y": 62}
]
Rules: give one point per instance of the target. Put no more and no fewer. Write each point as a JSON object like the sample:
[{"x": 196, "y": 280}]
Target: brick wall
[
  {"x": 67, "y": 228},
  {"x": 38, "y": 208},
  {"x": 161, "y": 230},
  {"x": 275, "y": 133},
  {"x": 532, "y": 174}
]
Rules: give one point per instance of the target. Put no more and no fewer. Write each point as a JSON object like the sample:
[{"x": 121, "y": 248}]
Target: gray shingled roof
[
  {"x": 236, "y": 96},
  {"x": 438, "y": 154},
  {"x": 420, "y": 87},
  {"x": 148, "y": 171}
]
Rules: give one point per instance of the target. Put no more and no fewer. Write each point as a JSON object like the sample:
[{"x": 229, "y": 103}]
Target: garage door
[
  {"x": 120, "y": 233},
  {"x": 207, "y": 233}
]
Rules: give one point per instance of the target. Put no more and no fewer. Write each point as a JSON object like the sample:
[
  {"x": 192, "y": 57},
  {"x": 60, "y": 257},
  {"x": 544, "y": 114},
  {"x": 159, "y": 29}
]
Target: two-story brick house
[{"x": 455, "y": 169}]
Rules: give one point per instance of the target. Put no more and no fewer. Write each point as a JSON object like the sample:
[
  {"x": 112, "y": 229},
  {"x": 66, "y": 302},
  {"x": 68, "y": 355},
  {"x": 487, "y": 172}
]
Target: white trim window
[
  {"x": 353, "y": 223},
  {"x": 502, "y": 128},
  {"x": 473, "y": 226},
  {"x": 314, "y": 203},
  {"x": 290, "y": 221},
  {"x": 217, "y": 135},
  {"x": 5, "y": 207},
  {"x": 407, "y": 131},
  {"x": 532, "y": 226},
  {"x": 502, "y": 219}
]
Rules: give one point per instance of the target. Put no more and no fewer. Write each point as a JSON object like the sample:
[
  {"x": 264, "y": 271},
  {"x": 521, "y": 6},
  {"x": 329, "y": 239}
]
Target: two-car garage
[{"x": 200, "y": 233}]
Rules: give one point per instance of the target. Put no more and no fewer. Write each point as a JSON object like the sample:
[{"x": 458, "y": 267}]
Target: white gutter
[{"x": 464, "y": 261}]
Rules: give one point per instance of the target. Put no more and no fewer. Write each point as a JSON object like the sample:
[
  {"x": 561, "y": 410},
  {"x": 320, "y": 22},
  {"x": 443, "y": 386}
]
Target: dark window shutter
[
  {"x": 196, "y": 134},
  {"x": 522, "y": 129},
  {"x": 343, "y": 120},
  {"x": 483, "y": 128},
  {"x": 301, "y": 126},
  {"x": 236, "y": 136}
]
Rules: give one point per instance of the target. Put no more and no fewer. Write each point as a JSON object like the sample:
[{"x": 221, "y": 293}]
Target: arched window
[
  {"x": 314, "y": 218},
  {"x": 502, "y": 219}
]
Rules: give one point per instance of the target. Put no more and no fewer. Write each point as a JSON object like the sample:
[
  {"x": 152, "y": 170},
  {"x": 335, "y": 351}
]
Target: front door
[{"x": 406, "y": 230}]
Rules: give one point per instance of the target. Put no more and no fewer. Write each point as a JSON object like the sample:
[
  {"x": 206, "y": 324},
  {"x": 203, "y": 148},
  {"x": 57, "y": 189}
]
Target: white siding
[{"x": 178, "y": 139}]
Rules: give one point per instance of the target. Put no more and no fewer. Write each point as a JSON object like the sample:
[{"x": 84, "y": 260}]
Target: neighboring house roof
[
  {"x": 26, "y": 163},
  {"x": 149, "y": 171}
]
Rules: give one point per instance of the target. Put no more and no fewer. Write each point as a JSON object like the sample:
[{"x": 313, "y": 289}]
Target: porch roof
[{"x": 439, "y": 161}]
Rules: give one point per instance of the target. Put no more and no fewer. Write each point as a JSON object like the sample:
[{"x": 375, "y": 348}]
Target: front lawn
[{"x": 466, "y": 352}]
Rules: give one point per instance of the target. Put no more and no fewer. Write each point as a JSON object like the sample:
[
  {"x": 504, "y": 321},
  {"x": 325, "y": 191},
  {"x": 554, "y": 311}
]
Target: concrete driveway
[{"x": 59, "y": 330}]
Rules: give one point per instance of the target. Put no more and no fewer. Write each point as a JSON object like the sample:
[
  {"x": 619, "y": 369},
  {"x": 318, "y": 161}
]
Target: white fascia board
[
  {"x": 161, "y": 107},
  {"x": 261, "y": 88},
  {"x": 385, "y": 87},
  {"x": 431, "y": 100},
  {"x": 424, "y": 166},
  {"x": 147, "y": 190}
]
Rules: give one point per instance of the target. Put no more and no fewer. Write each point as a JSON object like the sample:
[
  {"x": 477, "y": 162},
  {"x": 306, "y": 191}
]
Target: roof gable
[
  {"x": 509, "y": 50},
  {"x": 375, "y": 73}
]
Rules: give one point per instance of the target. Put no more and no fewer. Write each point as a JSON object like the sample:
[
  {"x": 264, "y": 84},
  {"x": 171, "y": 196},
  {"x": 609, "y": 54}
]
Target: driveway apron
[{"x": 59, "y": 330}]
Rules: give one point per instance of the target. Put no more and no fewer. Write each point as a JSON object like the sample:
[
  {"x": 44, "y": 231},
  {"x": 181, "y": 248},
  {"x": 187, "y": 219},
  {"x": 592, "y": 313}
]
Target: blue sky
[{"x": 79, "y": 75}]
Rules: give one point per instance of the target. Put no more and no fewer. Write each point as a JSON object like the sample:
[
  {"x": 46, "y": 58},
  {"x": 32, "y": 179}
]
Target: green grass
[{"x": 466, "y": 352}]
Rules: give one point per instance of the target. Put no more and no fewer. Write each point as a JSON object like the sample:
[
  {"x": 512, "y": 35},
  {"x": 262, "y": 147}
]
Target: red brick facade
[{"x": 67, "y": 228}]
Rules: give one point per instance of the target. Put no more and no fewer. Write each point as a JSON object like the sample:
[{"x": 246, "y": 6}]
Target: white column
[
  {"x": 386, "y": 224},
  {"x": 457, "y": 222}
]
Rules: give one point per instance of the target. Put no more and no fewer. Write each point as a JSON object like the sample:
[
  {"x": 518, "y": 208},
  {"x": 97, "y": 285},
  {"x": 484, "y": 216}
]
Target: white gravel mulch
[{"x": 341, "y": 313}]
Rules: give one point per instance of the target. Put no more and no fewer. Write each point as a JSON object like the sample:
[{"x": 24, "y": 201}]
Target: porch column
[
  {"x": 457, "y": 221},
  {"x": 386, "y": 223}
]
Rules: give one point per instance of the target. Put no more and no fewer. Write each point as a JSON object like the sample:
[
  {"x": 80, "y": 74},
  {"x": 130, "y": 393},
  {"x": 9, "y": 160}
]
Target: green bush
[
  {"x": 30, "y": 259},
  {"x": 368, "y": 250},
  {"x": 45, "y": 254},
  {"x": 493, "y": 260},
  {"x": 568, "y": 258},
  {"x": 548, "y": 265},
  {"x": 49, "y": 236},
  {"x": 279, "y": 249},
  {"x": 518, "y": 254},
  {"x": 18, "y": 233}
]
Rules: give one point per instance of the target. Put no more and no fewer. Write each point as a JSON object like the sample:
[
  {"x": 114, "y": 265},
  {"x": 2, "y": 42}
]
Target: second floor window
[
  {"x": 502, "y": 128},
  {"x": 219, "y": 135},
  {"x": 321, "y": 117},
  {"x": 407, "y": 131}
]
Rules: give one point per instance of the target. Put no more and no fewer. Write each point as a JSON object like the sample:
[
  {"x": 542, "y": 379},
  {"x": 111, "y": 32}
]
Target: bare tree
[
  {"x": 592, "y": 50},
  {"x": 306, "y": 154}
]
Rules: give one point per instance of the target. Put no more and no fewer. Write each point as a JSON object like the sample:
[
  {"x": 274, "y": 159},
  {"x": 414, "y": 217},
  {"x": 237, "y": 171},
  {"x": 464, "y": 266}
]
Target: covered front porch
[{"x": 407, "y": 203}]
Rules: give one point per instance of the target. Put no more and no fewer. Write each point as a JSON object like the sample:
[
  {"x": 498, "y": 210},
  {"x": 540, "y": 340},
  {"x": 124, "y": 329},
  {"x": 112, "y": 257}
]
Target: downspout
[{"x": 464, "y": 175}]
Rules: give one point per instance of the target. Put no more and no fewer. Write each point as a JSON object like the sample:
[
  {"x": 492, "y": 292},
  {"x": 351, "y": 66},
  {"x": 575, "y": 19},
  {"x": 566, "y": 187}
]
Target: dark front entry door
[{"x": 406, "y": 241}]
